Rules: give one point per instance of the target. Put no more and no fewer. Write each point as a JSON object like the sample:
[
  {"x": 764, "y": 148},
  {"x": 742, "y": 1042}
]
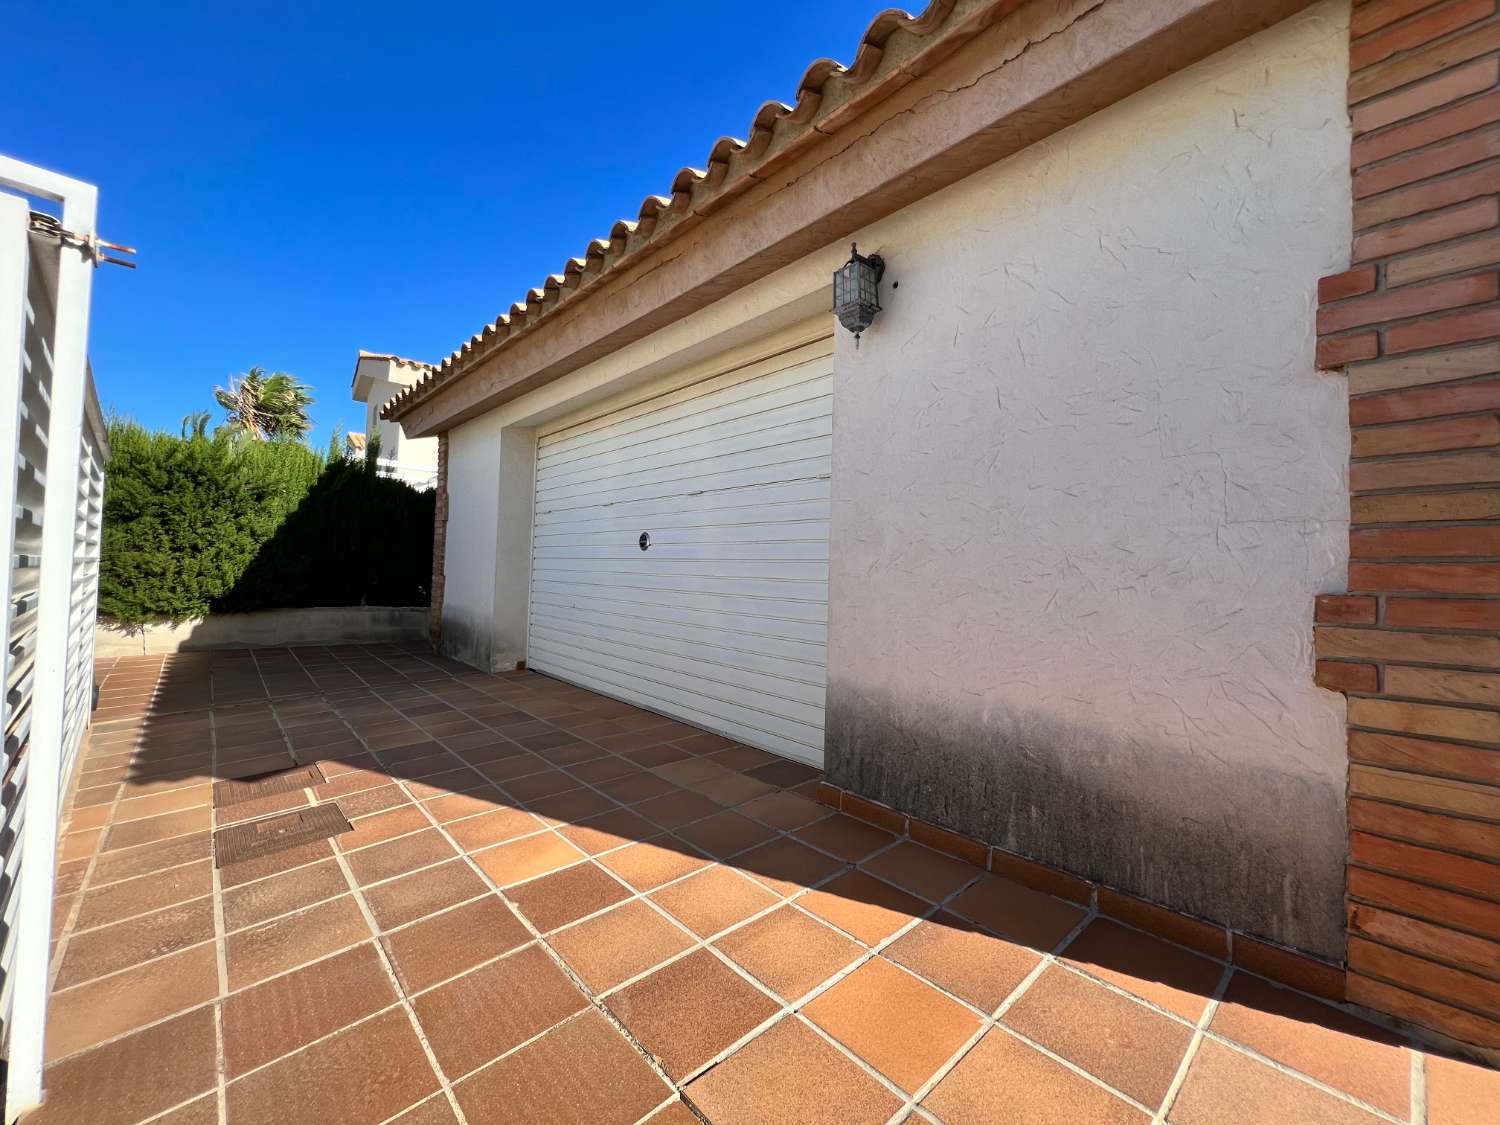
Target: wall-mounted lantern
[{"x": 856, "y": 291}]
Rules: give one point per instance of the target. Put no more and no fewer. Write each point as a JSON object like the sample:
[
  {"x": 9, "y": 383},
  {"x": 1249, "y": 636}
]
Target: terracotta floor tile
[
  {"x": 789, "y": 952},
  {"x": 443, "y": 945},
  {"x": 725, "y": 833},
  {"x": 618, "y": 944},
  {"x": 204, "y": 1111},
  {"x": 288, "y": 1012},
  {"x": 677, "y": 807},
  {"x": 715, "y": 898},
  {"x": 646, "y": 866},
  {"x": 790, "y": 1073},
  {"x": 132, "y": 1078},
  {"x": 568, "y": 895},
  {"x": 403, "y": 820},
  {"x": 922, "y": 871},
  {"x": 901, "y": 1026},
  {"x": 249, "y": 870},
  {"x": 674, "y": 1113},
  {"x": 157, "y": 828},
  {"x": 1165, "y": 974},
  {"x": 572, "y": 807},
  {"x": 603, "y": 768},
  {"x": 649, "y": 757},
  {"x": 112, "y": 866},
  {"x": 516, "y": 766},
  {"x": 101, "y": 1009},
  {"x": 434, "y": 1111},
  {"x": 686, "y": 1012},
  {"x": 786, "y": 866},
  {"x": 398, "y": 856},
  {"x": 527, "y": 858},
  {"x": 370, "y": 801},
  {"x": 1016, "y": 911},
  {"x": 862, "y": 905},
  {"x": 1001, "y": 1070},
  {"x": 639, "y": 788},
  {"x": 612, "y": 830},
  {"x": 1345, "y": 1052},
  {"x": 118, "y": 946},
  {"x": 364, "y": 1073},
  {"x": 582, "y": 1073},
  {"x": 423, "y": 892},
  {"x": 273, "y": 947},
  {"x": 493, "y": 828},
  {"x": 964, "y": 959},
  {"x": 145, "y": 893},
  {"x": 1461, "y": 1093},
  {"x": 1128, "y": 1045},
  {"x": 547, "y": 784},
  {"x": 734, "y": 789},
  {"x": 281, "y": 894},
  {"x": 454, "y": 806},
  {"x": 786, "y": 811},
  {"x": 1224, "y": 1085},
  {"x": 174, "y": 800},
  {"x": 474, "y": 1018},
  {"x": 849, "y": 839}
]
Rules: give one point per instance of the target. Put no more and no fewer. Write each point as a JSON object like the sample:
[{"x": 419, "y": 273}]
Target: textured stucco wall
[
  {"x": 1086, "y": 484},
  {"x": 469, "y": 563},
  {"x": 488, "y": 559}
]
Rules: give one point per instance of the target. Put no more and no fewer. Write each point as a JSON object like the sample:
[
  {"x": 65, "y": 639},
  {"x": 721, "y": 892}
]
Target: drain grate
[
  {"x": 277, "y": 833},
  {"x": 244, "y": 789}
]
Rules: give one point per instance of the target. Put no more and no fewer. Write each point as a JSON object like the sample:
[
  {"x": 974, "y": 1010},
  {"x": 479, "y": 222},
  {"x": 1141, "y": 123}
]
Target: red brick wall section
[
  {"x": 1415, "y": 644},
  {"x": 439, "y": 542}
]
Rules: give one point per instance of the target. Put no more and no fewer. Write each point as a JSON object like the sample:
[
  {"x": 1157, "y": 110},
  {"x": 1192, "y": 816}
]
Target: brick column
[
  {"x": 1415, "y": 645},
  {"x": 439, "y": 542}
]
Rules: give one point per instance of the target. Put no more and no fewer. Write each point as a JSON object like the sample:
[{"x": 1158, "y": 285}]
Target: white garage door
[{"x": 721, "y": 620}]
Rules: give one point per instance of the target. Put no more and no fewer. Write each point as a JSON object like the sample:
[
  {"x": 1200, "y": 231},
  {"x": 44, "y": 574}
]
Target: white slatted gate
[
  {"x": 722, "y": 620},
  {"x": 53, "y": 448}
]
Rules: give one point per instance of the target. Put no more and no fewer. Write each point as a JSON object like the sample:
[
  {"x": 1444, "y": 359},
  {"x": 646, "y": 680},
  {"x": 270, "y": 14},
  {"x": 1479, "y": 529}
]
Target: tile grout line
[
  {"x": 221, "y": 951},
  {"x": 384, "y": 957},
  {"x": 1179, "y": 1077}
]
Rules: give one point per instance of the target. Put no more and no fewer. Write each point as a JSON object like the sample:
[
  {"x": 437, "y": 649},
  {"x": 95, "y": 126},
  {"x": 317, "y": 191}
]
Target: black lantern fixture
[{"x": 856, "y": 291}]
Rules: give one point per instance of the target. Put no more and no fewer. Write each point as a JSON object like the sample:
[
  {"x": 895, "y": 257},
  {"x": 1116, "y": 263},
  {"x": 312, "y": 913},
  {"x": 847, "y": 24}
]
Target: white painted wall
[
  {"x": 487, "y": 561},
  {"x": 1087, "y": 483}
]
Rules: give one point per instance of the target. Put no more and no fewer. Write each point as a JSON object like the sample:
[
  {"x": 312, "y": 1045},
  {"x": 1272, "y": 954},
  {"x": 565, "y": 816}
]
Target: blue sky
[{"x": 303, "y": 180}]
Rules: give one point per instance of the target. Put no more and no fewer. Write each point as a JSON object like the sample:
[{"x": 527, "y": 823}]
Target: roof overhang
[{"x": 927, "y": 102}]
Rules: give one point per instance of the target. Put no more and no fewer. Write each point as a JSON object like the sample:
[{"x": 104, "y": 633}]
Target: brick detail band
[
  {"x": 1415, "y": 644},
  {"x": 439, "y": 543},
  {"x": 1288, "y": 966}
]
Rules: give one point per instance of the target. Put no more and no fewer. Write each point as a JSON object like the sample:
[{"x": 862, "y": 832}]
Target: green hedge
[{"x": 199, "y": 524}]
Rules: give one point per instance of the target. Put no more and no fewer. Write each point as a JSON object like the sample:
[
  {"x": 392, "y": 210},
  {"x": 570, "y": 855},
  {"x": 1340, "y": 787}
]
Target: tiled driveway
[{"x": 553, "y": 907}]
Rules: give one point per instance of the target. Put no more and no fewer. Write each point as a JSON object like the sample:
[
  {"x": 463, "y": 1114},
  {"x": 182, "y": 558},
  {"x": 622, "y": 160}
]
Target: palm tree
[{"x": 262, "y": 406}]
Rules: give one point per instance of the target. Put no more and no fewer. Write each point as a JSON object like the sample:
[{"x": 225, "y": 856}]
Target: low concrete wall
[{"x": 336, "y": 625}]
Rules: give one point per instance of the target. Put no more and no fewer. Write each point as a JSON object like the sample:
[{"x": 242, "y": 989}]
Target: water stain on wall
[{"x": 1259, "y": 849}]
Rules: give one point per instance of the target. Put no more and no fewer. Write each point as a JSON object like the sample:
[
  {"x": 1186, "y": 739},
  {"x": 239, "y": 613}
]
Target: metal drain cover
[
  {"x": 258, "y": 838},
  {"x": 242, "y": 789}
]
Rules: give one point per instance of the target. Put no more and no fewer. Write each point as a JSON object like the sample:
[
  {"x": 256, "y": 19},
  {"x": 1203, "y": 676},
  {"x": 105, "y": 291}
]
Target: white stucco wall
[
  {"x": 487, "y": 561},
  {"x": 1087, "y": 483}
]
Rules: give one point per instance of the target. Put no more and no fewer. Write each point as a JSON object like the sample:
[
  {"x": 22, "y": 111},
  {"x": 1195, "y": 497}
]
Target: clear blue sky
[{"x": 303, "y": 180}]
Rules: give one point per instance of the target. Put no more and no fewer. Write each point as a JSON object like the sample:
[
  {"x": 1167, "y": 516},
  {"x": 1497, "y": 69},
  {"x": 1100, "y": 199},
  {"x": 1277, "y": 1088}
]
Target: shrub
[{"x": 194, "y": 524}]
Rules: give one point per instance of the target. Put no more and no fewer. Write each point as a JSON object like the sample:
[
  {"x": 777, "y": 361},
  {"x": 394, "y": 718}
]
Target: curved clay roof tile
[{"x": 711, "y": 183}]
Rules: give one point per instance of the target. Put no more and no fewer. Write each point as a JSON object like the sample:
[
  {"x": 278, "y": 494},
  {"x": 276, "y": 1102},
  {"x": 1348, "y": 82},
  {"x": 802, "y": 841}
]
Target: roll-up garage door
[{"x": 680, "y": 552}]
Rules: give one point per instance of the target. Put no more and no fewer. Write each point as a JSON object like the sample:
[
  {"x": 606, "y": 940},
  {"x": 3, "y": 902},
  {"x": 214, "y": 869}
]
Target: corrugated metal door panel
[{"x": 722, "y": 621}]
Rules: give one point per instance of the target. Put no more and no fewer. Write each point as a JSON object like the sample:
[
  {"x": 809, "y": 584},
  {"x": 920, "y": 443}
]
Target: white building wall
[{"x": 1086, "y": 484}]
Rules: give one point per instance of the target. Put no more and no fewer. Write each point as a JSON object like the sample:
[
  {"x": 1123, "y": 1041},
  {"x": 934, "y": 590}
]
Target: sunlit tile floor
[{"x": 555, "y": 907}]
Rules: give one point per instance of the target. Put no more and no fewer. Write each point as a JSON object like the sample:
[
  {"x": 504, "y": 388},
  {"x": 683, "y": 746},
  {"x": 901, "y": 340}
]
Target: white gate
[{"x": 52, "y": 454}]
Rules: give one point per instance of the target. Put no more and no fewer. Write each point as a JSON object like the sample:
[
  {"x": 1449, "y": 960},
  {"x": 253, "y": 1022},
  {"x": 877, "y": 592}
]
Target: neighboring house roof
[
  {"x": 361, "y": 393},
  {"x": 356, "y": 442},
  {"x": 827, "y": 93}
]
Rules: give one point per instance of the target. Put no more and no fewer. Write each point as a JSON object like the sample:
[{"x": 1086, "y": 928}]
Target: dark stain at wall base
[
  {"x": 1259, "y": 849},
  {"x": 470, "y": 642}
]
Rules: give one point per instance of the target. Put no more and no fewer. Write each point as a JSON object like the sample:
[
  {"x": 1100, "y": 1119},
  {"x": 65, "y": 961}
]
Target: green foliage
[
  {"x": 265, "y": 407},
  {"x": 197, "y": 523}
]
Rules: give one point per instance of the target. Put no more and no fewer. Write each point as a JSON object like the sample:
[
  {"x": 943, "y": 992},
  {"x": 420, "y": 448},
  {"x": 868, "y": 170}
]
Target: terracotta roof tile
[{"x": 895, "y": 48}]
